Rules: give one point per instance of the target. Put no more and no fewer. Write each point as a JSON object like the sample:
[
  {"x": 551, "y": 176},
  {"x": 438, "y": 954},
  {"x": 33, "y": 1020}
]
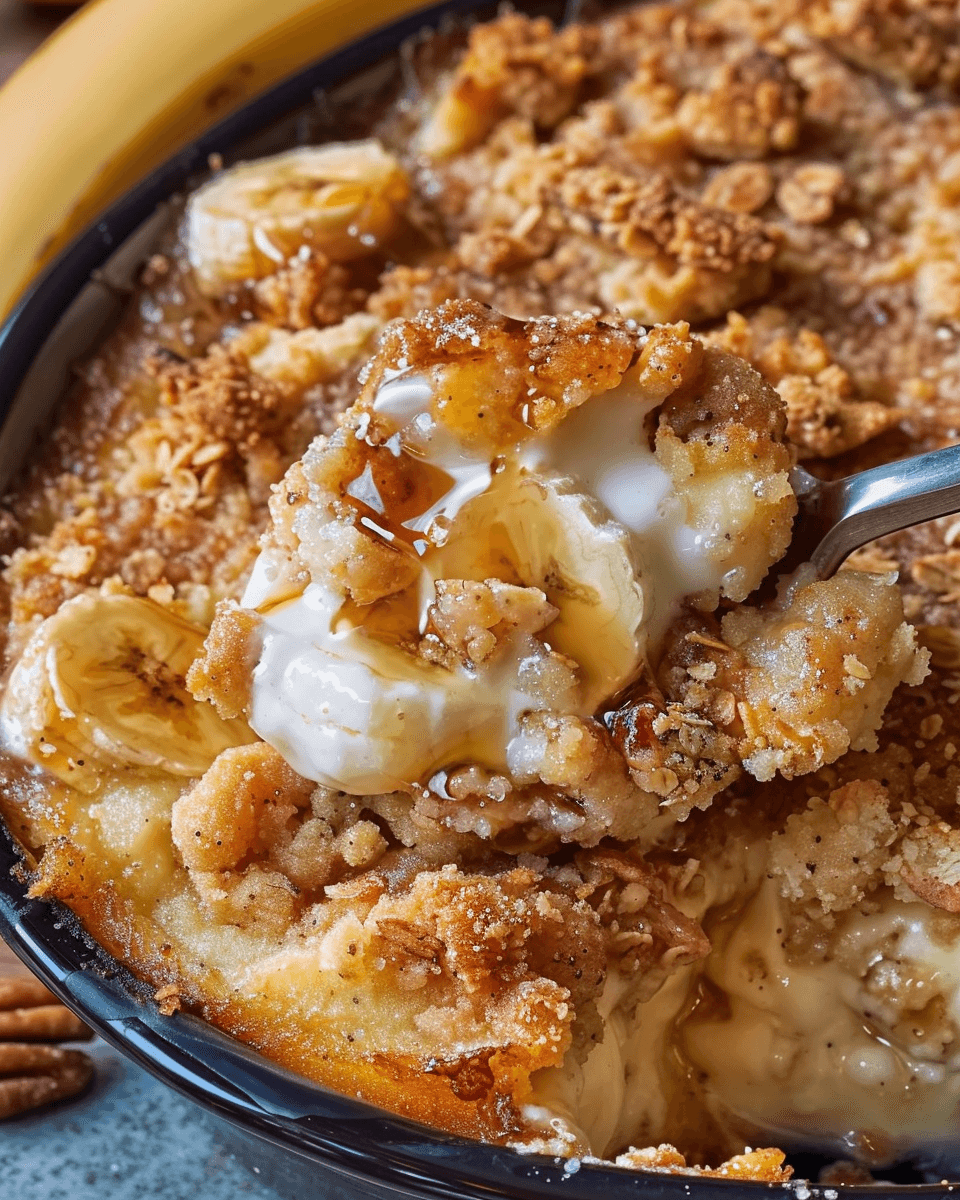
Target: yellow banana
[
  {"x": 123, "y": 84},
  {"x": 102, "y": 682}
]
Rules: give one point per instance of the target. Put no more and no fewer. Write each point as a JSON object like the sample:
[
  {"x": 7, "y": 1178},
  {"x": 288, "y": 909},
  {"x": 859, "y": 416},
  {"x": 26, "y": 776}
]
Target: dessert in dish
[{"x": 388, "y": 674}]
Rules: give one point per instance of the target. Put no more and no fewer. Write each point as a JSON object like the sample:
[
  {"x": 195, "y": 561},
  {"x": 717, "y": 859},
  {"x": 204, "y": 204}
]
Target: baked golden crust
[{"x": 440, "y": 949}]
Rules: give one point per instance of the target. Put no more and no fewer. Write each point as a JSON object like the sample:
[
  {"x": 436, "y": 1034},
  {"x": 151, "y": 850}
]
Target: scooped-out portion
[
  {"x": 394, "y": 671},
  {"x": 462, "y": 578}
]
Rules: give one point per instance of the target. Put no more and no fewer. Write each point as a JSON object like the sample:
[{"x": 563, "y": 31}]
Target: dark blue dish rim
[{"x": 352, "y": 1138}]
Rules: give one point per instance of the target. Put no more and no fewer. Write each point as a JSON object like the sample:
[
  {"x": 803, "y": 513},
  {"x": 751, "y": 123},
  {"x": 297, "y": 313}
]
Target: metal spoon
[{"x": 839, "y": 516}]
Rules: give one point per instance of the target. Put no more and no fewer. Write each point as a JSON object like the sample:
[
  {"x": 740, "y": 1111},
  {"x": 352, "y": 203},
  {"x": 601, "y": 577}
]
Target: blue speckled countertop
[{"x": 129, "y": 1137}]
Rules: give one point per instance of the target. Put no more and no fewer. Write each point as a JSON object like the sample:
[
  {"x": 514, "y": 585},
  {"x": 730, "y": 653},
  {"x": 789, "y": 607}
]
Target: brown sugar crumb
[
  {"x": 751, "y": 108},
  {"x": 404, "y": 291},
  {"x": 930, "y": 865},
  {"x": 824, "y": 417},
  {"x": 222, "y": 674},
  {"x": 215, "y": 401},
  {"x": 774, "y": 352},
  {"x": 832, "y": 852},
  {"x": 257, "y": 839},
  {"x": 157, "y": 268},
  {"x": 761, "y": 1166},
  {"x": 821, "y": 708},
  {"x": 472, "y": 619},
  {"x": 254, "y": 897},
  {"x": 485, "y": 975},
  {"x": 785, "y": 690},
  {"x": 459, "y": 920},
  {"x": 919, "y": 44},
  {"x": 686, "y": 260},
  {"x": 309, "y": 292},
  {"x": 578, "y": 758},
  {"x": 168, "y": 999},
  {"x": 676, "y": 752},
  {"x": 651, "y": 218},
  {"x": 645, "y": 929},
  {"x": 512, "y": 65},
  {"x": 219, "y": 820},
  {"x": 186, "y": 492}
]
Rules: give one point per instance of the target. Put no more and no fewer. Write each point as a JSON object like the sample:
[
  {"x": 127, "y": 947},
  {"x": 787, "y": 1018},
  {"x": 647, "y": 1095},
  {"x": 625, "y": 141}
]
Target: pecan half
[
  {"x": 31, "y": 1075},
  {"x": 30, "y": 1013}
]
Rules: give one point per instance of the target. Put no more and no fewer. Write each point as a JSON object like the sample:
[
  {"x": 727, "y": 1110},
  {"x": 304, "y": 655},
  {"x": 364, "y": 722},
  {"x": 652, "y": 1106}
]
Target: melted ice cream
[{"x": 585, "y": 513}]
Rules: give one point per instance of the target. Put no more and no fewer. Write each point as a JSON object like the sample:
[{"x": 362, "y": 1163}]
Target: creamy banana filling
[
  {"x": 365, "y": 717},
  {"x": 619, "y": 1091},
  {"x": 584, "y": 513},
  {"x": 852, "y": 1051},
  {"x": 858, "y": 1041}
]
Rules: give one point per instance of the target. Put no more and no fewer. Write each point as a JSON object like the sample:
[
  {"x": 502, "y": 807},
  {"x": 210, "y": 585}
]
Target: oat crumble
[{"x": 736, "y": 221}]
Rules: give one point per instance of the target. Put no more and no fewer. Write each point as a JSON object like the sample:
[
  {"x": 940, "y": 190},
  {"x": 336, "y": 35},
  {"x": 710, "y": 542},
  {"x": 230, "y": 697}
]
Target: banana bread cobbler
[{"x": 388, "y": 673}]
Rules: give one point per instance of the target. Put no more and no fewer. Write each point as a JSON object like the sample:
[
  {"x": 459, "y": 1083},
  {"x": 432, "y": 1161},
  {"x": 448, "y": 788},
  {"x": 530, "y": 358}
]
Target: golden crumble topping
[{"x": 388, "y": 674}]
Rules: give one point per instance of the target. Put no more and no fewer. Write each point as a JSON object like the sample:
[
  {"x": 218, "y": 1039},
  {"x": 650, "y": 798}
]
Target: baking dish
[{"x": 319, "y": 1129}]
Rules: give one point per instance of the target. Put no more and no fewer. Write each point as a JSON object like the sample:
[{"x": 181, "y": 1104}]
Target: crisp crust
[{"x": 674, "y": 164}]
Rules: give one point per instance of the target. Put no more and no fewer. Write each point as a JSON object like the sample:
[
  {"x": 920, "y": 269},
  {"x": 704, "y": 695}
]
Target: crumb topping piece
[{"x": 688, "y": 800}]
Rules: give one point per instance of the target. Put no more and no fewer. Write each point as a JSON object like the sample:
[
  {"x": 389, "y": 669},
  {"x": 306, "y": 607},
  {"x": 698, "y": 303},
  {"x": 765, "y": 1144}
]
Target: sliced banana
[
  {"x": 102, "y": 681},
  {"x": 546, "y": 533},
  {"x": 343, "y": 199},
  {"x": 355, "y": 713}
]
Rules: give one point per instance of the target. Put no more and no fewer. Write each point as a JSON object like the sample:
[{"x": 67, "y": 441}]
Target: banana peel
[{"x": 124, "y": 84}]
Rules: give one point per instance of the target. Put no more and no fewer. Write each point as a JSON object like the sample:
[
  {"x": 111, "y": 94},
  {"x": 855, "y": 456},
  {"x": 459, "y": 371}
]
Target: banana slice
[
  {"x": 355, "y": 713},
  {"x": 102, "y": 681},
  {"x": 343, "y": 199},
  {"x": 546, "y": 533}
]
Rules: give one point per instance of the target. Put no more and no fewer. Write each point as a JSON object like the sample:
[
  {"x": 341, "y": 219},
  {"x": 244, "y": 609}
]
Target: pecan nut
[
  {"x": 30, "y": 1013},
  {"x": 32, "y": 1075}
]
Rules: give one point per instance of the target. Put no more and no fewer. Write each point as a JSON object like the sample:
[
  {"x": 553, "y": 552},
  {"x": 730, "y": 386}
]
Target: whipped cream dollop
[
  {"x": 585, "y": 513},
  {"x": 365, "y": 717}
]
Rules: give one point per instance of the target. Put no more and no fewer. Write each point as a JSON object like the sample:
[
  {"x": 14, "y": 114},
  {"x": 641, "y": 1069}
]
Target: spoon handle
[{"x": 839, "y": 516}]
